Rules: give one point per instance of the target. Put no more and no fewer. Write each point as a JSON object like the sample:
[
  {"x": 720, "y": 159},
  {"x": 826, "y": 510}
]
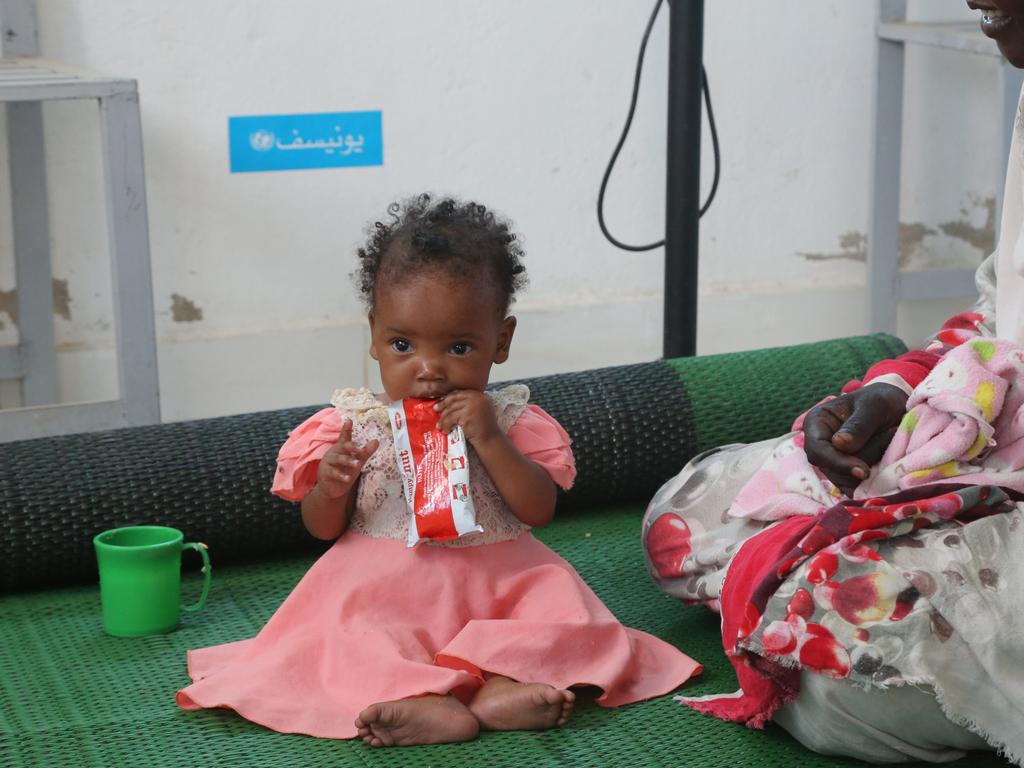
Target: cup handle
[{"x": 207, "y": 572}]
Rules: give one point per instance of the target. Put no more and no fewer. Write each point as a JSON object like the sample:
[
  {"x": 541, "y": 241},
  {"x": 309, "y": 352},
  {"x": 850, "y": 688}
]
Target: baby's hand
[
  {"x": 341, "y": 465},
  {"x": 470, "y": 410}
]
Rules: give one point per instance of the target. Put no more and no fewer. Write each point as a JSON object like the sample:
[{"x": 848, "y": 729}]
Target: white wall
[{"x": 518, "y": 105}]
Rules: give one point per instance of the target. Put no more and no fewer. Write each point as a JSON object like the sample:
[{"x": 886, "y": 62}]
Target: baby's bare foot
[
  {"x": 505, "y": 705},
  {"x": 423, "y": 720}
]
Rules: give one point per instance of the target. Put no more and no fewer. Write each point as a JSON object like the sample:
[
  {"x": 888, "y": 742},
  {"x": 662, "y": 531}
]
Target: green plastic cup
[{"x": 140, "y": 579}]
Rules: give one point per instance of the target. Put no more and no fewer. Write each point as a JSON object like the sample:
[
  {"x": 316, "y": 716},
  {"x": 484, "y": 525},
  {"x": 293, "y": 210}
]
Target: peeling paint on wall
[
  {"x": 984, "y": 237},
  {"x": 183, "y": 310},
  {"x": 853, "y": 245},
  {"x": 911, "y": 239},
  {"x": 9, "y": 304},
  {"x": 61, "y": 301}
]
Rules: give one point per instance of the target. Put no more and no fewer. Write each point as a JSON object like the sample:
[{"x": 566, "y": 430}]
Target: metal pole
[{"x": 682, "y": 199}]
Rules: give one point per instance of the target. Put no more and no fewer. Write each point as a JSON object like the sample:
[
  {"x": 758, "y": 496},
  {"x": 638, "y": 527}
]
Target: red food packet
[{"x": 435, "y": 473}]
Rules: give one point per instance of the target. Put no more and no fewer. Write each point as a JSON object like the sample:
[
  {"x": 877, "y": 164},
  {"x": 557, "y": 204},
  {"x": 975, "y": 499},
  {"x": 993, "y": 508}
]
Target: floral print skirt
[{"x": 926, "y": 682}]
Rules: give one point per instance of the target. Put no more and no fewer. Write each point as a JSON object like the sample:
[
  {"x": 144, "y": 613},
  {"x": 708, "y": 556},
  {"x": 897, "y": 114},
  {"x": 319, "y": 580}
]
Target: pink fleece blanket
[{"x": 964, "y": 424}]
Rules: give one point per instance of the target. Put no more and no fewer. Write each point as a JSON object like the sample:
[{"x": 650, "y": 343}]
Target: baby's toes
[
  {"x": 552, "y": 697},
  {"x": 567, "y": 706},
  {"x": 367, "y": 717},
  {"x": 377, "y": 739}
]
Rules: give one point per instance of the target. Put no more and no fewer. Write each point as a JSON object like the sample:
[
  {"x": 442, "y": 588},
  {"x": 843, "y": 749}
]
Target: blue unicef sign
[{"x": 292, "y": 142}]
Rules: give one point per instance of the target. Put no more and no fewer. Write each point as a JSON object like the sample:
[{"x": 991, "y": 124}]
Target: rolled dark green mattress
[{"x": 633, "y": 427}]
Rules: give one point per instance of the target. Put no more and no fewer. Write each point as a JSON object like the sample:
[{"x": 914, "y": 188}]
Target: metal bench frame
[
  {"x": 25, "y": 83},
  {"x": 886, "y": 284}
]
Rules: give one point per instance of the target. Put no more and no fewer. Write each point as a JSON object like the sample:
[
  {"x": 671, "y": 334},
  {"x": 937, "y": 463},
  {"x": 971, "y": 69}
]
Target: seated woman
[{"x": 866, "y": 564}]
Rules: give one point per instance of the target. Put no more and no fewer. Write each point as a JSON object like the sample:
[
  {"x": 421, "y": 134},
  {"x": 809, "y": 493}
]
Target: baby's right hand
[{"x": 340, "y": 467}]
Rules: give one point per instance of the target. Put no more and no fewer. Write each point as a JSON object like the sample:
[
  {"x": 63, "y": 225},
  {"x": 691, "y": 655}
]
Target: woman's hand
[
  {"x": 845, "y": 436},
  {"x": 340, "y": 467},
  {"x": 472, "y": 411}
]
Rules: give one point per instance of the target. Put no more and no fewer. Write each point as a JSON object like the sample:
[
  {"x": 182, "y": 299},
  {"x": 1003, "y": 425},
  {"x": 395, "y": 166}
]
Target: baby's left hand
[{"x": 469, "y": 409}]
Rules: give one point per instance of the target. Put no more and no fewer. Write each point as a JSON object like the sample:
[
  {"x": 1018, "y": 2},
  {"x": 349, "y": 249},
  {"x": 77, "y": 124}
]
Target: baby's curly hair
[{"x": 462, "y": 238}]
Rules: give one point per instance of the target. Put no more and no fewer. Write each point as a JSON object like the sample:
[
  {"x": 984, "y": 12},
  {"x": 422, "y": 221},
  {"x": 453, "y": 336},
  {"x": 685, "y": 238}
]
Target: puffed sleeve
[
  {"x": 542, "y": 440},
  {"x": 299, "y": 457}
]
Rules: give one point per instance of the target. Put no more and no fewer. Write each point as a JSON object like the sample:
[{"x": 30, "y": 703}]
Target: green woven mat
[{"x": 71, "y": 696}]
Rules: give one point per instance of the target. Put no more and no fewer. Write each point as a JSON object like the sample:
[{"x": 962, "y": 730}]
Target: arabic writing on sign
[
  {"x": 292, "y": 142},
  {"x": 345, "y": 144}
]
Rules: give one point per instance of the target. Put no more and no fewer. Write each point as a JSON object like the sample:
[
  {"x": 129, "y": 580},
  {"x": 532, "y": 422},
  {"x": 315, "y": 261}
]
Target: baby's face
[{"x": 434, "y": 333}]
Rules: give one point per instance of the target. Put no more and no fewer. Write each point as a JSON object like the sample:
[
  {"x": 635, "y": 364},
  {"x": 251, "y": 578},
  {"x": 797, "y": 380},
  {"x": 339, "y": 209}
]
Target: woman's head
[
  {"x": 1003, "y": 21},
  {"x": 438, "y": 281}
]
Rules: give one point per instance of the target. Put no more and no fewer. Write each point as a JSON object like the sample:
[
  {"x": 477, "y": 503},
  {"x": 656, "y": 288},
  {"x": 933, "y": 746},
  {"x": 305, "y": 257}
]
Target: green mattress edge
[
  {"x": 750, "y": 396},
  {"x": 71, "y": 696}
]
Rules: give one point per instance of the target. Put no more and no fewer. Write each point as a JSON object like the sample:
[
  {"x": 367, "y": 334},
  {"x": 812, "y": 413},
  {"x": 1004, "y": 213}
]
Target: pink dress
[{"x": 373, "y": 620}]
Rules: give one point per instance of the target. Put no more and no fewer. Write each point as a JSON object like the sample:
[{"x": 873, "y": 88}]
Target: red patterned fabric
[{"x": 771, "y": 678}]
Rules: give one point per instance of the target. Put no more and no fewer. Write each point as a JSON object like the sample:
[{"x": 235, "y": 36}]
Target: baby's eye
[
  {"x": 460, "y": 348},
  {"x": 401, "y": 345}
]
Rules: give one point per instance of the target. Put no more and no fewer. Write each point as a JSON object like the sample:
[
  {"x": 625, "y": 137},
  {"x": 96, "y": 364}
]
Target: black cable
[
  {"x": 625, "y": 133},
  {"x": 714, "y": 143}
]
